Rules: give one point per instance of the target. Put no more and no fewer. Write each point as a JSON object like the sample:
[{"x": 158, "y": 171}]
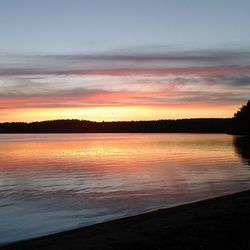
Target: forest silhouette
[{"x": 84, "y": 126}]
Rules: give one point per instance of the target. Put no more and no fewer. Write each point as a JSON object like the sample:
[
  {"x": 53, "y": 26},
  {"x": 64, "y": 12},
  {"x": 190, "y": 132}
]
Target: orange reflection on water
[
  {"x": 56, "y": 181},
  {"x": 122, "y": 153}
]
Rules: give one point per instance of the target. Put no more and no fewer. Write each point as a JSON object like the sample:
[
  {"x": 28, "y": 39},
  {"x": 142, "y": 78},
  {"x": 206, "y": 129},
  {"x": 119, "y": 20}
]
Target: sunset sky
[{"x": 123, "y": 60}]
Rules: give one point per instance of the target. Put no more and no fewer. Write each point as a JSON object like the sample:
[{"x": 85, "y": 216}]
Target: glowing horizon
[{"x": 118, "y": 113}]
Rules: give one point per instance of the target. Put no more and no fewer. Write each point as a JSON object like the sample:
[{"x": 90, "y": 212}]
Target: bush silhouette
[{"x": 242, "y": 120}]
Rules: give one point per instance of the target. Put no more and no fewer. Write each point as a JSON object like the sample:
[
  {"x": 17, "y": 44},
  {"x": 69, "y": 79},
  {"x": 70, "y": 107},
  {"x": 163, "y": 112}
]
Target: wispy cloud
[{"x": 129, "y": 79}]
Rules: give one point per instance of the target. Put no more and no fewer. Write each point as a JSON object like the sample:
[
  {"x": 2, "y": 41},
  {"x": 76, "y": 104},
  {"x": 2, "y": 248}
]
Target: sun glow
[
  {"x": 118, "y": 113},
  {"x": 89, "y": 113}
]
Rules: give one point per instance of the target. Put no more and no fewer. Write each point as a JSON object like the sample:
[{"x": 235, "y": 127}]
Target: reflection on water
[
  {"x": 242, "y": 147},
  {"x": 50, "y": 183}
]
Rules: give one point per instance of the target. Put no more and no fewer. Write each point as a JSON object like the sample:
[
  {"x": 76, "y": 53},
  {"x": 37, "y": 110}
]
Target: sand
[{"x": 220, "y": 223}]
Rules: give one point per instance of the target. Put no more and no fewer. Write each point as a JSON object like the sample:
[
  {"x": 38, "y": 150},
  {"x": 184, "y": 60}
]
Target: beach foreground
[{"x": 219, "y": 223}]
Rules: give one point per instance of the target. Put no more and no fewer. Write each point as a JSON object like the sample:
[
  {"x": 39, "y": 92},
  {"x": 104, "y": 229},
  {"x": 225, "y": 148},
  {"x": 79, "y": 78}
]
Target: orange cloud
[{"x": 138, "y": 86}]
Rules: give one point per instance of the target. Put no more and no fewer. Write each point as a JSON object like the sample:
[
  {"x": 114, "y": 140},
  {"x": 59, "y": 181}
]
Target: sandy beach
[{"x": 219, "y": 223}]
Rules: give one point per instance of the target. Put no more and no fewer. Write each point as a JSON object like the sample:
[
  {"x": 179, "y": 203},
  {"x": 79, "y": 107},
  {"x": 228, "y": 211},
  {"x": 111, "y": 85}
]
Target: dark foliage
[{"x": 241, "y": 120}]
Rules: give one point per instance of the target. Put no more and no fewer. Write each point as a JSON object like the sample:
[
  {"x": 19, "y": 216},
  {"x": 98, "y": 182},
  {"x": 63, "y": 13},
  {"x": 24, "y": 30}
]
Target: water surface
[{"x": 53, "y": 182}]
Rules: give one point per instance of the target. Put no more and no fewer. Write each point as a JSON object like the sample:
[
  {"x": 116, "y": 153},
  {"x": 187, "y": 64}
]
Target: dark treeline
[{"x": 83, "y": 126}]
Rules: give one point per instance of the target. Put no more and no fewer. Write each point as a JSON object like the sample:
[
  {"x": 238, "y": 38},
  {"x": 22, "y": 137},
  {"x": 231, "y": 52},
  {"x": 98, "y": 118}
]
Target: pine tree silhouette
[{"x": 242, "y": 120}]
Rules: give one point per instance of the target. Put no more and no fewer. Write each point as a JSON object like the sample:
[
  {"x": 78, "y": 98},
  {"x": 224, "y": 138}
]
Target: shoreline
[{"x": 216, "y": 223}]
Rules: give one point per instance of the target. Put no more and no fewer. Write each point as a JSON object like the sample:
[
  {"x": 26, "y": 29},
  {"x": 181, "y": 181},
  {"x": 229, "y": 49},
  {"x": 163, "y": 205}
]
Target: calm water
[{"x": 50, "y": 183}]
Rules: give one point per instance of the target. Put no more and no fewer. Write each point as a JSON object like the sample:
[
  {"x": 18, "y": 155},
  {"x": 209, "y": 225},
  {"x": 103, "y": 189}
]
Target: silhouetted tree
[{"x": 241, "y": 121}]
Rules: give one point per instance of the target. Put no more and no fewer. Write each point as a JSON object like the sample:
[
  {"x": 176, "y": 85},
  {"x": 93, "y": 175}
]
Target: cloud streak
[{"x": 139, "y": 79}]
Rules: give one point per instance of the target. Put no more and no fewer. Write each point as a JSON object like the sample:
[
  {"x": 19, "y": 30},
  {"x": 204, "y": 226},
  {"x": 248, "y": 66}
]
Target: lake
[{"x": 55, "y": 182}]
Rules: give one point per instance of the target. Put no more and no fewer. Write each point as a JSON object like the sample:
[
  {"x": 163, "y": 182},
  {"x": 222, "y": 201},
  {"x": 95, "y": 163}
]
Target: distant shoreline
[
  {"x": 200, "y": 125},
  {"x": 218, "y": 223}
]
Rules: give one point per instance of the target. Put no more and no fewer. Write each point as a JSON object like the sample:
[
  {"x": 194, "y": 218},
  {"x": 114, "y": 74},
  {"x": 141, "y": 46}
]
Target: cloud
[
  {"x": 125, "y": 79},
  {"x": 144, "y": 55},
  {"x": 119, "y": 60}
]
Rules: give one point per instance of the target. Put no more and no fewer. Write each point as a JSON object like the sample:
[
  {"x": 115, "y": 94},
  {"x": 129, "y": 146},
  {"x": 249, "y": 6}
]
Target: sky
[{"x": 123, "y": 60}]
